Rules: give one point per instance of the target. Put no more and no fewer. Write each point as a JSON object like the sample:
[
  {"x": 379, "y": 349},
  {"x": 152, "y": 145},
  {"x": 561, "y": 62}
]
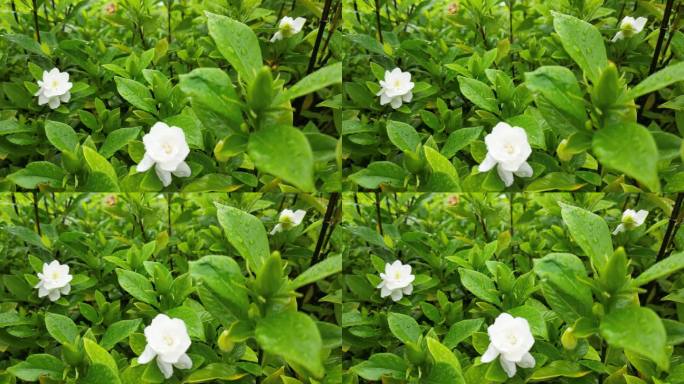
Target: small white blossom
[
  {"x": 288, "y": 27},
  {"x": 510, "y": 339},
  {"x": 629, "y": 27},
  {"x": 288, "y": 219},
  {"x": 396, "y": 281},
  {"x": 54, "y": 88},
  {"x": 54, "y": 281},
  {"x": 396, "y": 88},
  {"x": 166, "y": 149},
  {"x": 167, "y": 340},
  {"x": 630, "y": 220},
  {"x": 508, "y": 149}
]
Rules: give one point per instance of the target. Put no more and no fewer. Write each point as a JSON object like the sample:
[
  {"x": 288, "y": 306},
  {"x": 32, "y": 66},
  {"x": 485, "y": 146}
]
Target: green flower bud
[
  {"x": 225, "y": 343},
  {"x": 568, "y": 339},
  {"x": 260, "y": 92}
]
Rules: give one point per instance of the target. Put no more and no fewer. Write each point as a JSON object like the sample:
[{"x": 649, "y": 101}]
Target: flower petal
[
  {"x": 524, "y": 171},
  {"x": 527, "y": 361},
  {"x": 508, "y": 366},
  {"x": 506, "y": 176},
  {"x": 146, "y": 163},
  {"x": 488, "y": 163},
  {"x": 490, "y": 354},
  {"x": 165, "y": 368},
  {"x": 183, "y": 362},
  {"x": 164, "y": 176},
  {"x": 147, "y": 355},
  {"x": 183, "y": 170}
]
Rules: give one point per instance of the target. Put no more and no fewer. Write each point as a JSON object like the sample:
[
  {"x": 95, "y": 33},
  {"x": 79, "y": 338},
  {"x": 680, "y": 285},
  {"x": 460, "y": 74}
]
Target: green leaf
[
  {"x": 638, "y": 330},
  {"x": 590, "y": 232},
  {"x": 98, "y": 164},
  {"x": 222, "y": 277},
  {"x": 118, "y": 139},
  {"x": 322, "y": 78},
  {"x": 237, "y": 43},
  {"x": 661, "y": 79},
  {"x": 214, "y": 99},
  {"x": 37, "y": 366},
  {"x": 478, "y": 93},
  {"x": 99, "y": 374},
  {"x": 191, "y": 127},
  {"x": 246, "y": 234},
  {"x": 325, "y": 268},
  {"x": 191, "y": 319},
  {"x": 295, "y": 337},
  {"x": 443, "y": 373},
  {"x": 119, "y": 331},
  {"x": 661, "y": 269},
  {"x": 403, "y": 327},
  {"x": 461, "y": 331},
  {"x": 559, "y": 86},
  {"x": 442, "y": 354},
  {"x": 62, "y": 136},
  {"x": 135, "y": 93},
  {"x": 561, "y": 275},
  {"x": 284, "y": 152},
  {"x": 99, "y": 355},
  {"x": 534, "y": 317},
  {"x": 61, "y": 328},
  {"x": 379, "y": 174},
  {"x": 24, "y": 42},
  {"x": 137, "y": 286},
  {"x": 214, "y": 372},
  {"x": 583, "y": 42},
  {"x": 480, "y": 285},
  {"x": 38, "y": 173},
  {"x": 381, "y": 365},
  {"x": 460, "y": 139},
  {"x": 559, "y": 368},
  {"x": 441, "y": 165},
  {"x": 403, "y": 136},
  {"x": 631, "y": 149}
]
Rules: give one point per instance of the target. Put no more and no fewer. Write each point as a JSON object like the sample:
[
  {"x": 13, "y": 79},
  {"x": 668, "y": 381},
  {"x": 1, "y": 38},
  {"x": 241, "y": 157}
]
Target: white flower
[
  {"x": 630, "y": 27},
  {"x": 54, "y": 281},
  {"x": 508, "y": 148},
  {"x": 510, "y": 339},
  {"x": 288, "y": 219},
  {"x": 167, "y": 340},
  {"x": 396, "y": 88},
  {"x": 630, "y": 220},
  {"x": 54, "y": 88},
  {"x": 396, "y": 281},
  {"x": 288, "y": 27},
  {"x": 166, "y": 149}
]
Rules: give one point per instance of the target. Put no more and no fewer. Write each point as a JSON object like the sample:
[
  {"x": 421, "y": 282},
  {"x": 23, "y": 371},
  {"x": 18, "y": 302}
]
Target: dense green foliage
[
  {"x": 262, "y": 312},
  {"x": 602, "y": 307}
]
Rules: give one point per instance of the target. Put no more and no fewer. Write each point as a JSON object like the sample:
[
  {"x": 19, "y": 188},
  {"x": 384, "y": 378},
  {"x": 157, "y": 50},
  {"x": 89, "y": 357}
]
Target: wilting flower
[
  {"x": 54, "y": 88},
  {"x": 110, "y": 200},
  {"x": 166, "y": 149},
  {"x": 508, "y": 149},
  {"x": 510, "y": 339},
  {"x": 629, "y": 27},
  {"x": 54, "y": 281},
  {"x": 288, "y": 27},
  {"x": 110, "y": 8},
  {"x": 630, "y": 220},
  {"x": 288, "y": 219},
  {"x": 396, "y": 281},
  {"x": 452, "y": 9},
  {"x": 167, "y": 340},
  {"x": 396, "y": 88},
  {"x": 453, "y": 200}
]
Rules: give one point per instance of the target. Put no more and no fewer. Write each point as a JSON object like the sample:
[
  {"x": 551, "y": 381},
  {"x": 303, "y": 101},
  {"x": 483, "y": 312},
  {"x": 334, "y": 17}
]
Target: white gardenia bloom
[
  {"x": 396, "y": 281},
  {"x": 288, "y": 219},
  {"x": 54, "y": 88},
  {"x": 54, "y": 281},
  {"x": 508, "y": 150},
  {"x": 396, "y": 88},
  {"x": 166, "y": 149},
  {"x": 288, "y": 27},
  {"x": 510, "y": 339},
  {"x": 629, "y": 27},
  {"x": 630, "y": 220},
  {"x": 167, "y": 340}
]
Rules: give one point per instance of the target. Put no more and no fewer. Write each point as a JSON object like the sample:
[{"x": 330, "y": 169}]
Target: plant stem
[
  {"x": 511, "y": 37},
  {"x": 168, "y": 16},
  {"x": 378, "y": 214},
  {"x": 14, "y": 203},
  {"x": 670, "y": 226},
  {"x": 510, "y": 208},
  {"x": 664, "y": 24},
  {"x": 356, "y": 11},
  {"x": 35, "y": 21},
  {"x": 14, "y": 11},
  {"x": 168, "y": 213},
  {"x": 35, "y": 213},
  {"x": 327, "y": 219},
  {"x": 377, "y": 18}
]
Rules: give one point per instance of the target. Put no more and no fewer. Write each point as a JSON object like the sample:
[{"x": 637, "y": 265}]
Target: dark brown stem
[
  {"x": 35, "y": 213},
  {"x": 168, "y": 213},
  {"x": 14, "y": 204},
  {"x": 670, "y": 227},
  {"x": 327, "y": 220},
  {"x": 14, "y": 11},
  {"x": 378, "y": 214},
  {"x": 664, "y": 24},
  {"x": 35, "y": 21},
  {"x": 377, "y": 18},
  {"x": 356, "y": 11},
  {"x": 510, "y": 208},
  {"x": 168, "y": 16},
  {"x": 511, "y": 37}
]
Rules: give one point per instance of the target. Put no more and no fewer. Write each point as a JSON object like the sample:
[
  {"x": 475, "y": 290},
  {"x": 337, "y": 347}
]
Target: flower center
[
  {"x": 286, "y": 28},
  {"x": 509, "y": 148},
  {"x": 397, "y": 275},
  {"x": 512, "y": 339},
  {"x": 55, "y": 275},
  {"x": 168, "y": 340},
  {"x": 167, "y": 148},
  {"x": 55, "y": 83},
  {"x": 397, "y": 83}
]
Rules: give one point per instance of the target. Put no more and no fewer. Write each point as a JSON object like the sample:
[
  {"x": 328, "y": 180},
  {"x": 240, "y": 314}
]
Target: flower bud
[
  {"x": 225, "y": 343},
  {"x": 568, "y": 339},
  {"x": 260, "y": 92}
]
